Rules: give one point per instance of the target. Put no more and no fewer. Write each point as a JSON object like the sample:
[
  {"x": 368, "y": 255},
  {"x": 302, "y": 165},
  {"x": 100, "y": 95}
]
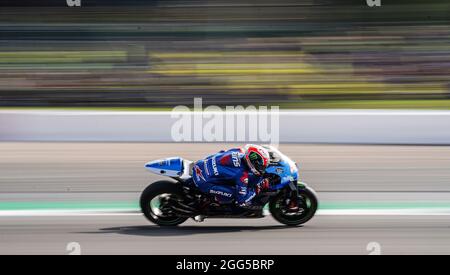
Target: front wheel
[
  {"x": 154, "y": 200},
  {"x": 308, "y": 204}
]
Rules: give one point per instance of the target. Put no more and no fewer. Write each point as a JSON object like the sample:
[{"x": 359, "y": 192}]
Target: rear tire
[
  {"x": 153, "y": 191},
  {"x": 309, "y": 209}
]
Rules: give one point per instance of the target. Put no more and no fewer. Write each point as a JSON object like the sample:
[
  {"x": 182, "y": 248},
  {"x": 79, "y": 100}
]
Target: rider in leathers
[{"x": 233, "y": 175}]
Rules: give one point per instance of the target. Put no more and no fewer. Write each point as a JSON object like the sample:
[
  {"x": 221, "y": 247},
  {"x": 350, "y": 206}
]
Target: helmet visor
[{"x": 257, "y": 162}]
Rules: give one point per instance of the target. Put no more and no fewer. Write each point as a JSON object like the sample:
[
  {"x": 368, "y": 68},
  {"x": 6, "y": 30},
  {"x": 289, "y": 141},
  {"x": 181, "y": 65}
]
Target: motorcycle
[{"x": 170, "y": 203}]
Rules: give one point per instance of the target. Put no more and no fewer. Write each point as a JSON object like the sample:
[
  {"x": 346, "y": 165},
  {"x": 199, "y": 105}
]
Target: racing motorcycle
[{"x": 172, "y": 202}]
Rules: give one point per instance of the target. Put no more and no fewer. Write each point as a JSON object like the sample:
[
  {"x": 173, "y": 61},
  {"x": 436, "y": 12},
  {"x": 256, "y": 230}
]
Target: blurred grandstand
[{"x": 157, "y": 54}]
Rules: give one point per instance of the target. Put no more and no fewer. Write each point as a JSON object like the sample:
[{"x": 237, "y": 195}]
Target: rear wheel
[
  {"x": 154, "y": 202},
  {"x": 307, "y": 207}
]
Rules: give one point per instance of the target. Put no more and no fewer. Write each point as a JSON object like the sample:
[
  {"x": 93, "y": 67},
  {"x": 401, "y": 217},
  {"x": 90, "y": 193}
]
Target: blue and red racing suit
[{"x": 226, "y": 176}]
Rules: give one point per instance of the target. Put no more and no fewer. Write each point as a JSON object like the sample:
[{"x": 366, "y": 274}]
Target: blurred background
[
  {"x": 76, "y": 176},
  {"x": 155, "y": 54}
]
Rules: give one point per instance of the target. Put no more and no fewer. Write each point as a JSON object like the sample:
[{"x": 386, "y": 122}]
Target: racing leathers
[{"x": 226, "y": 176}]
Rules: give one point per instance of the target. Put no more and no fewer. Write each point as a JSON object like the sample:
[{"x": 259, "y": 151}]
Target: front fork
[
  {"x": 293, "y": 194},
  {"x": 293, "y": 188}
]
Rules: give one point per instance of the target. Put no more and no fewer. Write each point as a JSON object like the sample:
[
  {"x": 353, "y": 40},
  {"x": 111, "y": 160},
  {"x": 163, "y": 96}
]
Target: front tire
[
  {"x": 154, "y": 192},
  {"x": 306, "y": 213}
]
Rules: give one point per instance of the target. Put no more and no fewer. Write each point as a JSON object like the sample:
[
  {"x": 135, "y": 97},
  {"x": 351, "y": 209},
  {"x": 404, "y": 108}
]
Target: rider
[{"x": 234, "y": 174}]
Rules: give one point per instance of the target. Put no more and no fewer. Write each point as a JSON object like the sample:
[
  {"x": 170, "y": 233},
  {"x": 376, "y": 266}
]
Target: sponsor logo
[
  {"x": 280, "y": 171},
  {"x": 164, "y": 162},
  {"x": 198, "y": 173},
  {"x": 243, "y": 191},
  {"x": 236, "y": 160},
  {"x": 214, "y": 166},
  {"x": 205, "y": 165},
  {"x": 221, "y": 193}
]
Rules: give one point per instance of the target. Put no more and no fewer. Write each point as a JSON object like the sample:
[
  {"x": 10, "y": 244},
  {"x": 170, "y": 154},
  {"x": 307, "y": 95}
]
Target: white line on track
[
  {"x": 386, "y": 212},
  {"x": 340, "y": 212},
  {"x": 68, "y": 213}
]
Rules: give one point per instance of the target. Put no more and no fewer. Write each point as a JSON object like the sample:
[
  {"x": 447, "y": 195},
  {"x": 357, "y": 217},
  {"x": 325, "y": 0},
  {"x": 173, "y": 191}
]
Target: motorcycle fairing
[{"x": 175, "y": 167}]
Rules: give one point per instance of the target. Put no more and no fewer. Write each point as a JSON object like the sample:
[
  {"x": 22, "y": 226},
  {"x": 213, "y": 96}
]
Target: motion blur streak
[
  {"x": 308, "y": 54},
  {"x": 119, "y": 167},
  {"x": 156, "y": 54},
  {"x": 34, "y": 175}
]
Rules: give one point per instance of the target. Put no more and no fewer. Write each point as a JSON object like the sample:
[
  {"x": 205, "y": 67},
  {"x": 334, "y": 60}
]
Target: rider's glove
[{"x": 264, "y": 185}]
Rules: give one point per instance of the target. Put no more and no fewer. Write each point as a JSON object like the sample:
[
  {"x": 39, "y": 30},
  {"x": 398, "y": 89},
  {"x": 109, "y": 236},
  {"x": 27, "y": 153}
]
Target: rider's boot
[{"x": 250, "y": 206}]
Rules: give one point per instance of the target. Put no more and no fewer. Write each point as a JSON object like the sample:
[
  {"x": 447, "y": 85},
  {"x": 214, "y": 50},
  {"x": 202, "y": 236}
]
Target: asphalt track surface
[
  {"x": 132, "y": 235},
  {"x": 81, "y": 173}
]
